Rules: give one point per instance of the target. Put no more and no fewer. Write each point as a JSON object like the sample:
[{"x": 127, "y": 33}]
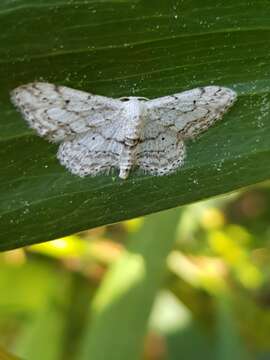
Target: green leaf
[
  {"x": 120, "y": 310},
  {"x": 116, "y": 48},
  {"x": 230, "y": 344}
]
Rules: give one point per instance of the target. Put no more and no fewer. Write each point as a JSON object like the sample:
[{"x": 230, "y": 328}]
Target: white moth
[{"x": 97, "y": 133}]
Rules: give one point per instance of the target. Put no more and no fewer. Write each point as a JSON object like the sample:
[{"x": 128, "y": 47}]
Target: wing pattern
[
  {"x": 191, "y": 112},
  {"x": 58, "y": 112}
]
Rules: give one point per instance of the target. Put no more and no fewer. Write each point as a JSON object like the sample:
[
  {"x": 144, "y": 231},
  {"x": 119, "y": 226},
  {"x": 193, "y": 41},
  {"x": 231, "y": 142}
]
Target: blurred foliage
[{"x": 90, "y": 295}]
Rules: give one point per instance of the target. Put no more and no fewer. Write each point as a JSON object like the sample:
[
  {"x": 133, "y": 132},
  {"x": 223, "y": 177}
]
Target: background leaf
[
  {"x": 117, "y": 48},
  {"x": 121, "y": 307}
]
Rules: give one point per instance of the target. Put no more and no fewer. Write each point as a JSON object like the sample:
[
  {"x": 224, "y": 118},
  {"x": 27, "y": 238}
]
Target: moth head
[{"x": 130, "y": 98}]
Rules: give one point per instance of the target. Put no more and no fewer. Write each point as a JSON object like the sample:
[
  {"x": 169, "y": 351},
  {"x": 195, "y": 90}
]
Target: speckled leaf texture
[{"x": 129, "y": 48}]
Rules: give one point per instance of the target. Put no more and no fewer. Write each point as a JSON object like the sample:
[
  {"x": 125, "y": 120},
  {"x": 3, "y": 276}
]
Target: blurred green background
[{"x": 104, "y": 293}]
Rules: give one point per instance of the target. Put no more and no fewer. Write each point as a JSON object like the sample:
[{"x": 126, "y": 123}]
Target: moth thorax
[{"x": 135, "y": 110}]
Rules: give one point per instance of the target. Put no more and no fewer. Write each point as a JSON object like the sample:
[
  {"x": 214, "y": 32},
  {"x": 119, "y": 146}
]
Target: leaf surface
[{"x": 119, "y": 48}]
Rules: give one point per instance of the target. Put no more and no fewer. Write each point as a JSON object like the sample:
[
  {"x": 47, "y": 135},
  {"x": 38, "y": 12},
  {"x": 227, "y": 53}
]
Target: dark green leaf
[{"x": 117, "y": 48}]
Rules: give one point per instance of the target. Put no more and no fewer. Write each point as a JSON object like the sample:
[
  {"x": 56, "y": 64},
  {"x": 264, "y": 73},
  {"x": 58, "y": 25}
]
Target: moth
[{"x": 97, "y": 133}]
